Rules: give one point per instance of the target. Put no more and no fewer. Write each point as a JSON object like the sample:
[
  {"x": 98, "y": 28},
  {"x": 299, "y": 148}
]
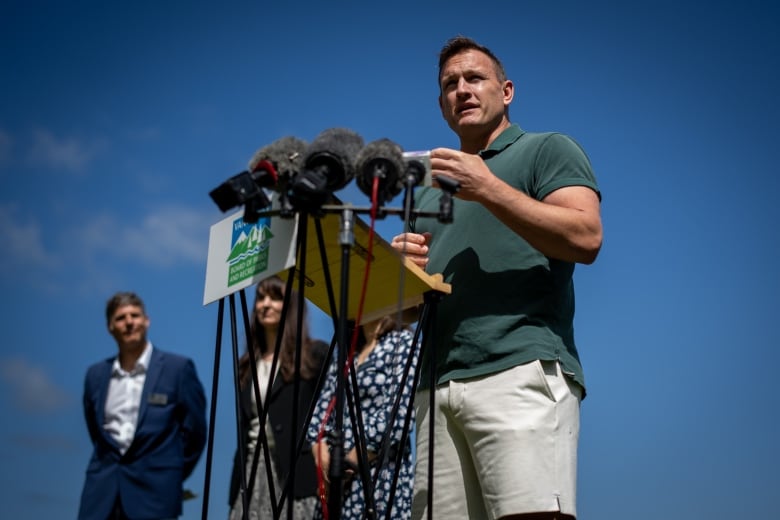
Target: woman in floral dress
[{"x": 380, "y": 362}]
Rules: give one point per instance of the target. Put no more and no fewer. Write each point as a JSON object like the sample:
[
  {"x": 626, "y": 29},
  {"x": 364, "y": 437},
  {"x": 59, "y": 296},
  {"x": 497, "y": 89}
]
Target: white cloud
[
  {"x": 164, "y": 237},
  {"x": 91, "y": 249},
  {"x": 31, "y": 389},
  {"x": 68, "y": 154},
  {"x": 22, "y": 240}
]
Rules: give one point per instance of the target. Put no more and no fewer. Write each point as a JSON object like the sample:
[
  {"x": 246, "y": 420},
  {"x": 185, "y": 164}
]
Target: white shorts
[{"x": 504, "y": 444}]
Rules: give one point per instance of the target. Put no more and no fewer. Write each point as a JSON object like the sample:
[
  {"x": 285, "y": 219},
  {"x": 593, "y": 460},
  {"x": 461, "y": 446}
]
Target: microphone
[
  {"x": 270, "y": 167},
  {"x": 285, "y": 155},
  {"x": 328, "y": 165},
  {"x": 245, "y": 186},
  {"x": 381, "y": 159},
  {"x": 418, "y": 168}
]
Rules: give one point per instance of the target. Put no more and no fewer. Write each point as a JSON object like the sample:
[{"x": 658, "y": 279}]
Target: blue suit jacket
[{"x": 169, "y": 439}]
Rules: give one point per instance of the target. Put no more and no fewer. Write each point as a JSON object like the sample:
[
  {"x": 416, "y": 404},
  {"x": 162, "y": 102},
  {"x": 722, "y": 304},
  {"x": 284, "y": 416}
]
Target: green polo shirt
[{"x": 510, "y": 304}]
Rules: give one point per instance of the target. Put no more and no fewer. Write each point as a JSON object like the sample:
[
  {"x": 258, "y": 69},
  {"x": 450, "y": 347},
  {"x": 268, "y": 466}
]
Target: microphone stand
[
  {"x": 346, "y": 241},
  {"x": 337, "y": 456}
]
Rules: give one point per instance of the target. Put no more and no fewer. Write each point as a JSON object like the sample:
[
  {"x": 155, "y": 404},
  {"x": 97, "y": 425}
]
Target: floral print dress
[{"x": 379, "y": 380}]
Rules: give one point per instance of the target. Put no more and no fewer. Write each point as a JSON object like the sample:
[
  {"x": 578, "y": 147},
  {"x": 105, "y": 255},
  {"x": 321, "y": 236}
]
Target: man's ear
[{"x": 509, "y": 92}]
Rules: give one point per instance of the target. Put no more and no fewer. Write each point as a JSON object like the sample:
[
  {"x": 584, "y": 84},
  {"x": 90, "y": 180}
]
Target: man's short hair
[
  {"x": 460, "y": 44},
  {"x": 121, "y": 299}
]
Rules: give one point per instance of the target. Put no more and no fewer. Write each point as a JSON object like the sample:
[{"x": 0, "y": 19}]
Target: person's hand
[
  {"x": 414, "y": 246},
  {"x": 468, "y": 170},
  {"x": 351, "y": 462},
  {"x": 322, "y": 461},
  {"x": 351, "y": 465}
]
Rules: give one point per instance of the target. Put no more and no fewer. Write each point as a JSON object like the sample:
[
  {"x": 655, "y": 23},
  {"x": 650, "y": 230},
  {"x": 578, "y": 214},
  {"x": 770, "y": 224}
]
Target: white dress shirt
[{"x": 124, "y": 399}]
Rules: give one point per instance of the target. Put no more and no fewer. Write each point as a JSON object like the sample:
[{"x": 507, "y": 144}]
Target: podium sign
[{"x": 242, "y": 254}]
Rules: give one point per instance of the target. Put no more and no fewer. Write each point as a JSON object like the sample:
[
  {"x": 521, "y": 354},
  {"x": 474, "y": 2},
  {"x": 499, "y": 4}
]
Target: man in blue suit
[{"x": 146, "y": 414}]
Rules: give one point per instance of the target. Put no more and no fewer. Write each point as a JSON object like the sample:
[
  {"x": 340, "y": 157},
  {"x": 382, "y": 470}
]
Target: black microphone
[
  {"x": 245, "y": 186},
  {"x": 328, "y": 165},
  {"x": 382, "y": 159},
  {"x": 270, "y": 167},
  {"x": 418, "y": 168}
]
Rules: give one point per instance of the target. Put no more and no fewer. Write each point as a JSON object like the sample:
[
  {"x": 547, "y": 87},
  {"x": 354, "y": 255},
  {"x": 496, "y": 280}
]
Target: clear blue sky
[{"x": 117, "y": 118}]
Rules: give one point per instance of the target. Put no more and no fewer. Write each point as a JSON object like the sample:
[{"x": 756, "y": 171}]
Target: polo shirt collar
[{"x": 504, "y": 139}]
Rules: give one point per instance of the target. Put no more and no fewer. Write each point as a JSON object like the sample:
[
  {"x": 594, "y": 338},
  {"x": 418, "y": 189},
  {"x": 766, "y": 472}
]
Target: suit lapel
[
  {"x": 104, "y": 379},
  {"x": 152, "y": 375}
]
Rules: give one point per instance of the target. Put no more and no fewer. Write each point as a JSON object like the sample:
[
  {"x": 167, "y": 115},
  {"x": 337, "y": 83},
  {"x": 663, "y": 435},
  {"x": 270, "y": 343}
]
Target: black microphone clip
[{"x": 449, "y": 187}]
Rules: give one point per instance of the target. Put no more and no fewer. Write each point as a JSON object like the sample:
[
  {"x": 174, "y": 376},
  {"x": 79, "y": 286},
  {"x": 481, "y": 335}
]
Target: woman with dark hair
[
  {"x": 265, "y": 328},
  {"x": 380, "y": 361}
]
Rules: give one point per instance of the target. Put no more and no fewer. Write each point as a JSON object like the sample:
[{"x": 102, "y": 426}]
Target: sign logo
[{"x": 249, "y": 248}]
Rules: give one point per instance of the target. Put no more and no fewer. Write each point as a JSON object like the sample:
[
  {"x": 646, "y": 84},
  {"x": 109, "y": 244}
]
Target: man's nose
[{"x": 462, "y": 87}]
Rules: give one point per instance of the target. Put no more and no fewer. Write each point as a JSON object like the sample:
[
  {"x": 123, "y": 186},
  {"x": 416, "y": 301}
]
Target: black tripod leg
[
  {"x": 432, "y": 298},
  {"x": 213, "y": 411}
]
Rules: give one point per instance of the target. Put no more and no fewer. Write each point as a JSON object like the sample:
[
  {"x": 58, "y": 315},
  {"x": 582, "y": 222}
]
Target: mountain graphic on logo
[{"x": 247, "y": 245}]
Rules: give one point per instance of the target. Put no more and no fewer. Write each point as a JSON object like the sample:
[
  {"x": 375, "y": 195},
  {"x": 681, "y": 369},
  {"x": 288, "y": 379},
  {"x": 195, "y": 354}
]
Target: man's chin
[
  {"x": 133, "y": 343},
  {"x": 467, "y": 121}
]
